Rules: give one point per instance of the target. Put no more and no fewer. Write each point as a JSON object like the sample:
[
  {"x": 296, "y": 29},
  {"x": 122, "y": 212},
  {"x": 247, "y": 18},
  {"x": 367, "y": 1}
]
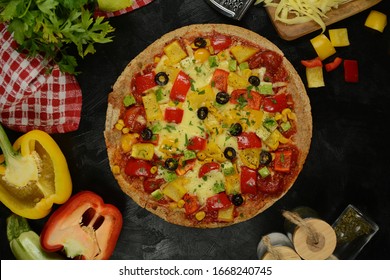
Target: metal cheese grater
[{"x": 231, "y": 8}]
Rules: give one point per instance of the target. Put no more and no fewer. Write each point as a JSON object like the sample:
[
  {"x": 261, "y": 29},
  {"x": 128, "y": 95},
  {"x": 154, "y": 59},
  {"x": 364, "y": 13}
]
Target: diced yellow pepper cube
[
  {"x": 339, "y": 37},
  {"x": 323, "y": 46},
  {"x": 196, "y": 100},
  {"x": 243, "y": 53},
  {"x": 175, "y": 190},
  {"x": 315, "y": 77},
  {"x": 250, "y": 157},
  {"x": 236, "y": 81},
  {"x": 226, "y": 215},
  {"x": 152, "y": 108},
  {"x": 232, "y": 184},
  {"x": 376, "y": 20},
  {"x": 175, "y": 52},
  {"x": 142, "y": 151}
]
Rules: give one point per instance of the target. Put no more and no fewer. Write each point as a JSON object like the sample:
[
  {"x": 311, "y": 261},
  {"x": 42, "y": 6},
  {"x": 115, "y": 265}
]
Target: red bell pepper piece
[
  {"x": 180, "y": 87},
  {"x": 191, "y": 204},
  {"x": 144, "y": 82},
  {"x": 220, "y": 79},
  {"x": 273, "y": 104},
  {"x": 220, "y": 42},
  {"x": 207, "y": 167},
  {"x": 135, "y": 118},
  {"x": 248, "y": 140},
  {"x": 283, "y": 161},
  {"x": 138, "y": 167},
  {"x": 333, "y": 65},
  {"x": 351, "y": 71},
  {"x": 152, "y": 184},
  {"x": 315, "y": 62},
  {"x": 173, "y": 115},
  {"x": 197, "y": 143},
  {"x": 218, "y": 201},
  {"x": 83, "y": 227},
  {"x": 252, "y": 98},
  {"x": 248, "y": 180}
]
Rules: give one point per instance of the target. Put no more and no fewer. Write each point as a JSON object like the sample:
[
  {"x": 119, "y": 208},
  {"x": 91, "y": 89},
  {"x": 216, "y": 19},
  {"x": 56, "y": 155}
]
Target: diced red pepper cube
[
  {"x": 173, "y": 115},
  {"x": 248, "y": 180},
  {"x": 248, "y": 140},
  {"x": 351, "y": 71},
  {"x": 180, "y": 87}
]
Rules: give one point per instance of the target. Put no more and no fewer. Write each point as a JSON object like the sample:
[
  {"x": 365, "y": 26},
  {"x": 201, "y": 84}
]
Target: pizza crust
[{"x": 122, "y": 87}]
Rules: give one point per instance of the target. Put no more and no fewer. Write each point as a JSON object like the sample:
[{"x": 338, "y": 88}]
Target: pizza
[{"x": 208, "y": 126}]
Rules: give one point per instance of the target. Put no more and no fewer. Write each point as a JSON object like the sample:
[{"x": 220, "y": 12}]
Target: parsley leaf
[{"x": 52, "y": 27}]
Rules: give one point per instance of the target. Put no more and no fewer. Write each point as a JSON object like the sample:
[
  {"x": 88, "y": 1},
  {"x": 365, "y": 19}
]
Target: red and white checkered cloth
[
  {"x": 32, "y": 99},
  {"x": 136, "y": 4}
]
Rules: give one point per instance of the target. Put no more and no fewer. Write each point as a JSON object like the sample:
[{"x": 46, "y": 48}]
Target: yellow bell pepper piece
[
  {"x": 152, "y": 108},
  {"x": 243, "y": 53},
  {"x": 175, "y": 52},
  {"x": 226, "y": 215},
  {"x": 315, "y": 77},
  {"x": 323, "y": 46},
  {"x": 376, "y": 20},
  {"x": 36, "y": 174},
  {"x": 339, "y": 37},
  {"x": 142, "y": 151},
  {"x": 175, "y": 190}
]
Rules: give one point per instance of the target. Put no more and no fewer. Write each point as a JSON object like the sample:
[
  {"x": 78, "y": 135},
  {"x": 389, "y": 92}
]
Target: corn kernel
[
  {"x": 173, "y": 205},
  {"x": 118, "y": 126},
  {"x": 116, "y": 169},
  {"x": 200, "y": 215},
  {"x": 181, "y": 203},
  {"x": 201, "y": 155},
  {"x": 125, "y": 130},
  {"x": 153, "y": 170}
]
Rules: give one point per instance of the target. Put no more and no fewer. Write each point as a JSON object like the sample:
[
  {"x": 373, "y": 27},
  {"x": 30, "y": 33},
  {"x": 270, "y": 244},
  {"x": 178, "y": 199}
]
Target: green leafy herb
[{"x": 52, "y": 27}]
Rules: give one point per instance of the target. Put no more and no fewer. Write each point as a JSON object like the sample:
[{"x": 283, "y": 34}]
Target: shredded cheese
[{"x": 301, "y": 11}]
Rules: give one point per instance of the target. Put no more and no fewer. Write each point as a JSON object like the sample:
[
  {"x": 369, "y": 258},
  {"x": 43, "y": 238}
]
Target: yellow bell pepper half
[{"x": 34, "y": 174}]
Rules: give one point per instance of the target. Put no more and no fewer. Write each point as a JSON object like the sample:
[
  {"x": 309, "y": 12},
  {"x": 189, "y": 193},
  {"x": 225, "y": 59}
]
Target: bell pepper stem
[
  {"x": 6, "y": 145},
  {"x": 16, "y": 225}
]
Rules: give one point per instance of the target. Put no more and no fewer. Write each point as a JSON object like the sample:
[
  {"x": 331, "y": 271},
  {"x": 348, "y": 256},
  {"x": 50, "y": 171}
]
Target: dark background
[{"x": 348, "y": 162}]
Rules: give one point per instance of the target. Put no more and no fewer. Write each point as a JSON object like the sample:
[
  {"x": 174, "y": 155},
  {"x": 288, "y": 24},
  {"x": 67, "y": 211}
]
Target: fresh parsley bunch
[{"x": 51, "y": 27}]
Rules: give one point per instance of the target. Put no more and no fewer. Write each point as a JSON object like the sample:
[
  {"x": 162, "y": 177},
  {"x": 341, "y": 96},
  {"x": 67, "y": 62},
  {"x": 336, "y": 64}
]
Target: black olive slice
[
  {"x": 235, "y": 129},
  {"x": 171, "y": 164},
  {"x": 202, "y": 113},
  {"x": 237, "y": 199},
  {"x": 200, "y": 42},
  {"x": 222, "y": 97},
  {"x": 254, "y": 81},
  {"x": 146, "y": 134},
  {"x": 161, "y": 78},
  {"x": 265, "y": 157},
  {"x": 230, "y": 153}
]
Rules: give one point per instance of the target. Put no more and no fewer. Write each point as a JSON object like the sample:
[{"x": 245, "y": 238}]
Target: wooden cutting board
[{"x": 291, "y": 32}]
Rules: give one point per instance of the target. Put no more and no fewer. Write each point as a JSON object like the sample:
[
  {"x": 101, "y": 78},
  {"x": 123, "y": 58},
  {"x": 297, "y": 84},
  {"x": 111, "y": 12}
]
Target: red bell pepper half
[
  {"x": 84, "y": 227},
  {"x": 180, "y": 87},
  {"x": 351, "y": 71}
]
